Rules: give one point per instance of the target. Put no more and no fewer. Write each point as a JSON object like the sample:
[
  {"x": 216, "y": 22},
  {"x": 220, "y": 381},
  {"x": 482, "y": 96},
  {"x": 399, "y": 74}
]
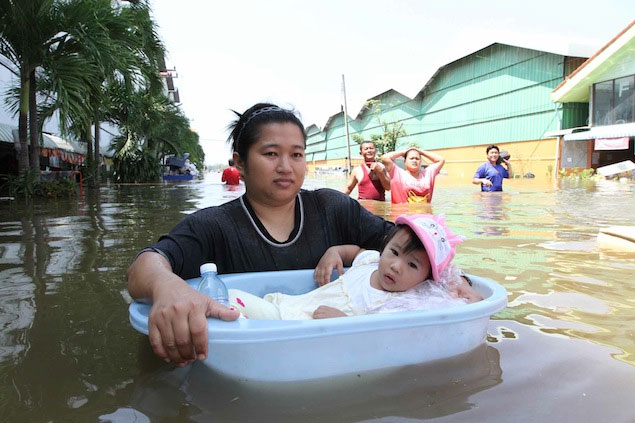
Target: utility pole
[{"x": 348, "y": 140}]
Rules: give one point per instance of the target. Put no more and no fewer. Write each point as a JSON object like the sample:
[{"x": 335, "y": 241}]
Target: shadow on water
[{"x": 424, "y": 391}]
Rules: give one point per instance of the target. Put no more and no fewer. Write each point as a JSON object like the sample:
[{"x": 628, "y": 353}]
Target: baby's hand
[
  {"x": 331, "y": 259},
  {"x": 326, "y": 312}
]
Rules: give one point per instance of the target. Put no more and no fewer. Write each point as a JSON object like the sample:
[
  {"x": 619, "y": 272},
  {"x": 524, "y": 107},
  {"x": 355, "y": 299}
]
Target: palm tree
[
  {"x": 132, "y": 62},
  {"x": 36, "y": 35},
  {"x": 68, "y": 51},
  {"x": 151, "y": 127},
  {"x": 90, "y": 61},
  {"x": 18, "y": 46}
]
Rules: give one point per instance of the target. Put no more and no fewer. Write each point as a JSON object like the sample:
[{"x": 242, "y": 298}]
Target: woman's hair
[
  {"x": 490, "y": 147},
  {"x": 246, "y": 128},
  {"x": 409, "y": 150},
  {"x": 414, "y": 243}
]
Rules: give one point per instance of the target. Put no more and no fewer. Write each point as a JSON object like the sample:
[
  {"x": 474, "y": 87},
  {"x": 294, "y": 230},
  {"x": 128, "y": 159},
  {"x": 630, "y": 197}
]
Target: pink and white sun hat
[{"x": 439, "y": 242}]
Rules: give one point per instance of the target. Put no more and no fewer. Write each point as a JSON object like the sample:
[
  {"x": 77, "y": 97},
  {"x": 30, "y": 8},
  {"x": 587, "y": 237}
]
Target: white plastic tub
[{"x": 270, "y": 350}]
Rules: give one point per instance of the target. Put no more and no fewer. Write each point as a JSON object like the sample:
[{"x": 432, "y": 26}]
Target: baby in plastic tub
[{"x": 412, "y": 271}]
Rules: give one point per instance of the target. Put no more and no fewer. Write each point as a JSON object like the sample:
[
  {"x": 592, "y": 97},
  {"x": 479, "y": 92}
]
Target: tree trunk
[
  {"x": 23, "y": 156},
  {"x": 33, "y": 125},
  {"x": 90, "y": 160},
  {"x": 97, "y": 155}
]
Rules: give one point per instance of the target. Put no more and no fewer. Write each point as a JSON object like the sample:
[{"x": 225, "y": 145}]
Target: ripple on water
[{"x": 64, "y": 328}]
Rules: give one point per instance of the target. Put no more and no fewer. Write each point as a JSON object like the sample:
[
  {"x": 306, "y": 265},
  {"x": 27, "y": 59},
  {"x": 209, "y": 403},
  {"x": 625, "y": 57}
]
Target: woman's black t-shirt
[{"x": 231, "y": 236}]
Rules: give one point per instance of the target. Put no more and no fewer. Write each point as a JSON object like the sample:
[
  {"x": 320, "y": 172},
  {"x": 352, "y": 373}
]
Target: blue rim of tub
[{"x": 254, "y": 331}]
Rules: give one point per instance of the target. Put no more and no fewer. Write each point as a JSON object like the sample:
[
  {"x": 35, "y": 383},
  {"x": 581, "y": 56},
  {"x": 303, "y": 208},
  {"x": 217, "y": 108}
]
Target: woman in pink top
[{"x": 412, "y": 184}]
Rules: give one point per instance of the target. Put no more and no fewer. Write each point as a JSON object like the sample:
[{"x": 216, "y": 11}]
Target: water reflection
[
  {"x": 490, "y": 207},
  {"x": 68, "y": 353},
  {"x": 421, "y": 392}
]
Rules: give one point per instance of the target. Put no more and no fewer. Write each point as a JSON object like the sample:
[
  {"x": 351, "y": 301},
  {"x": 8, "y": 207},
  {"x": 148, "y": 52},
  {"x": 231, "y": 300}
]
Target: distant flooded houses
[
  {"x": 604, "y": 84},
  {"x": 529, "y": 102},
  {"x": 55, "y": 153}
]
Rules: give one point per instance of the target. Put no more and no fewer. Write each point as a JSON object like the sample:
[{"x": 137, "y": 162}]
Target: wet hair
[
  {"x": 246, "y": 128},
  {"x": 492, "y": 146},
  {"x": 231, "y": 162}
]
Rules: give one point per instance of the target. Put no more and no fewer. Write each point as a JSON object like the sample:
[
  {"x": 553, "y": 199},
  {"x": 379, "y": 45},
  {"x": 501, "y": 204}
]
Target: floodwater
[{"x": 563, "y": 350}]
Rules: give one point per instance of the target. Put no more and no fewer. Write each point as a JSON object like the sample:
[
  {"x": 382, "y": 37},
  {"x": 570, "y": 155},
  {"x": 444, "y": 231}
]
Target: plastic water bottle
[{"x": 213, "y": 286}]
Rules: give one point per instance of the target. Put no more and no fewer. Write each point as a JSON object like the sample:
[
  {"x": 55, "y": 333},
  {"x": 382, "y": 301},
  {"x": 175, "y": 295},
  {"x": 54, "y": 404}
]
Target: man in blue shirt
[{"x": 491, "y": 173}]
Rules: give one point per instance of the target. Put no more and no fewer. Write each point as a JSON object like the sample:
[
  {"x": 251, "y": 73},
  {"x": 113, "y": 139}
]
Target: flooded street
[{"x": 563, "y": 350}]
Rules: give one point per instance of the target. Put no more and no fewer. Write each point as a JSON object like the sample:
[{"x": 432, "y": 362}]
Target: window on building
[
  {"x": 614, "y": 101},
  {"x": 602, "y": 103},
  {"x": 623, "y": 99}
]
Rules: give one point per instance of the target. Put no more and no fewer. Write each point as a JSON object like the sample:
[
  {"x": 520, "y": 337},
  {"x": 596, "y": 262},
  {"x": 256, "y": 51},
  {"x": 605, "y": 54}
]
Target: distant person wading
[
  {"x": 413, "y": 185},
  {"x": 231, "y": 175},
  {"x": 490, "y": 174},
  {"x": 371, "y": 177}
]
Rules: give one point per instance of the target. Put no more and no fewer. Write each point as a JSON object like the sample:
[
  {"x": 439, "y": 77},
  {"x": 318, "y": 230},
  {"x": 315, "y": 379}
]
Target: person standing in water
[
  {"x": 231, "y": 176},
  {"x": 490, "y": 174},
  {"x": 265, "y": 229},
  {"x": 413, "y": 185},
  {"x": 370, "y": 176}
]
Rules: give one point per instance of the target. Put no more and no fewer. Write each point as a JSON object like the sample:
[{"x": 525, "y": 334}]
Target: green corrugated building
[{"x": 497, "y": 95}]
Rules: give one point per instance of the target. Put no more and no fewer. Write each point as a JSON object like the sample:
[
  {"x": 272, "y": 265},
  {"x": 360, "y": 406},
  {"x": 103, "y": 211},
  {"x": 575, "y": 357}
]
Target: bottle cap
[{"x": 208, "y": 267}]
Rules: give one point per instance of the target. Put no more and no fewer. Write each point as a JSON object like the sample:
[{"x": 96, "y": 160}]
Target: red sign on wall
[{"x": 611, "y": 143}]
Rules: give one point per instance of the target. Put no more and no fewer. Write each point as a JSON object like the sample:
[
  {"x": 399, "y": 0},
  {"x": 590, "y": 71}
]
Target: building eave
[{"x": 576, "y": 86}]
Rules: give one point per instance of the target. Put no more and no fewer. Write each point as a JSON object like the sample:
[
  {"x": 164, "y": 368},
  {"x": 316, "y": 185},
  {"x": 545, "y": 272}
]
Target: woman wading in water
[{"x": 275, "y": 225}]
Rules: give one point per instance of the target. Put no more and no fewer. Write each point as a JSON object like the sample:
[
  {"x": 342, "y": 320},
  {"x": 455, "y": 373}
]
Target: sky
[{"x": 233, "y": 54}]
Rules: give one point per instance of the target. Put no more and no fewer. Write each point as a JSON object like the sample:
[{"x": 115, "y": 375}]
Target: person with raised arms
[{"x": 413, "y": 185}]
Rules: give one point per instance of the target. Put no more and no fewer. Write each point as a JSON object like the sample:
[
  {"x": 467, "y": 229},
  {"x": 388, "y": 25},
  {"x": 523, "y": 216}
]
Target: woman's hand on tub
[
  {"x": 326, "y": 312},
  {"x": 178, "y": 322},
  {"x": 335, "y": 257}
]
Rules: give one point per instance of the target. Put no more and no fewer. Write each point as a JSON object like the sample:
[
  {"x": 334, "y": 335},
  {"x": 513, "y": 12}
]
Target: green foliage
[
  {"x": 386, "y": 141},
  {"x": 22, "y": 185},
  {"x": 77, "y": 49},
  {"x": 150, "y": 121},
  {"x": 28, "y": 184},
  {"x": 95, "y": 61},
  {"x": 136, "y": 166},
  {"x": 357, "y": 138},
  {"x": 576, "y": 173},
  {"x": 586, "y": 173},
  {"x": 58, "y": 188}
]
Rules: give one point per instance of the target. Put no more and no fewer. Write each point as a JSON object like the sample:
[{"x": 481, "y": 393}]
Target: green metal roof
[{"x": 5, "y": 133}]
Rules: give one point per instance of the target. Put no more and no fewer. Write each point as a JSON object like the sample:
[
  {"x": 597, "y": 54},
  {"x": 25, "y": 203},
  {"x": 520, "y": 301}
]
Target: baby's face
[{"x": 399, "y": 271}]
